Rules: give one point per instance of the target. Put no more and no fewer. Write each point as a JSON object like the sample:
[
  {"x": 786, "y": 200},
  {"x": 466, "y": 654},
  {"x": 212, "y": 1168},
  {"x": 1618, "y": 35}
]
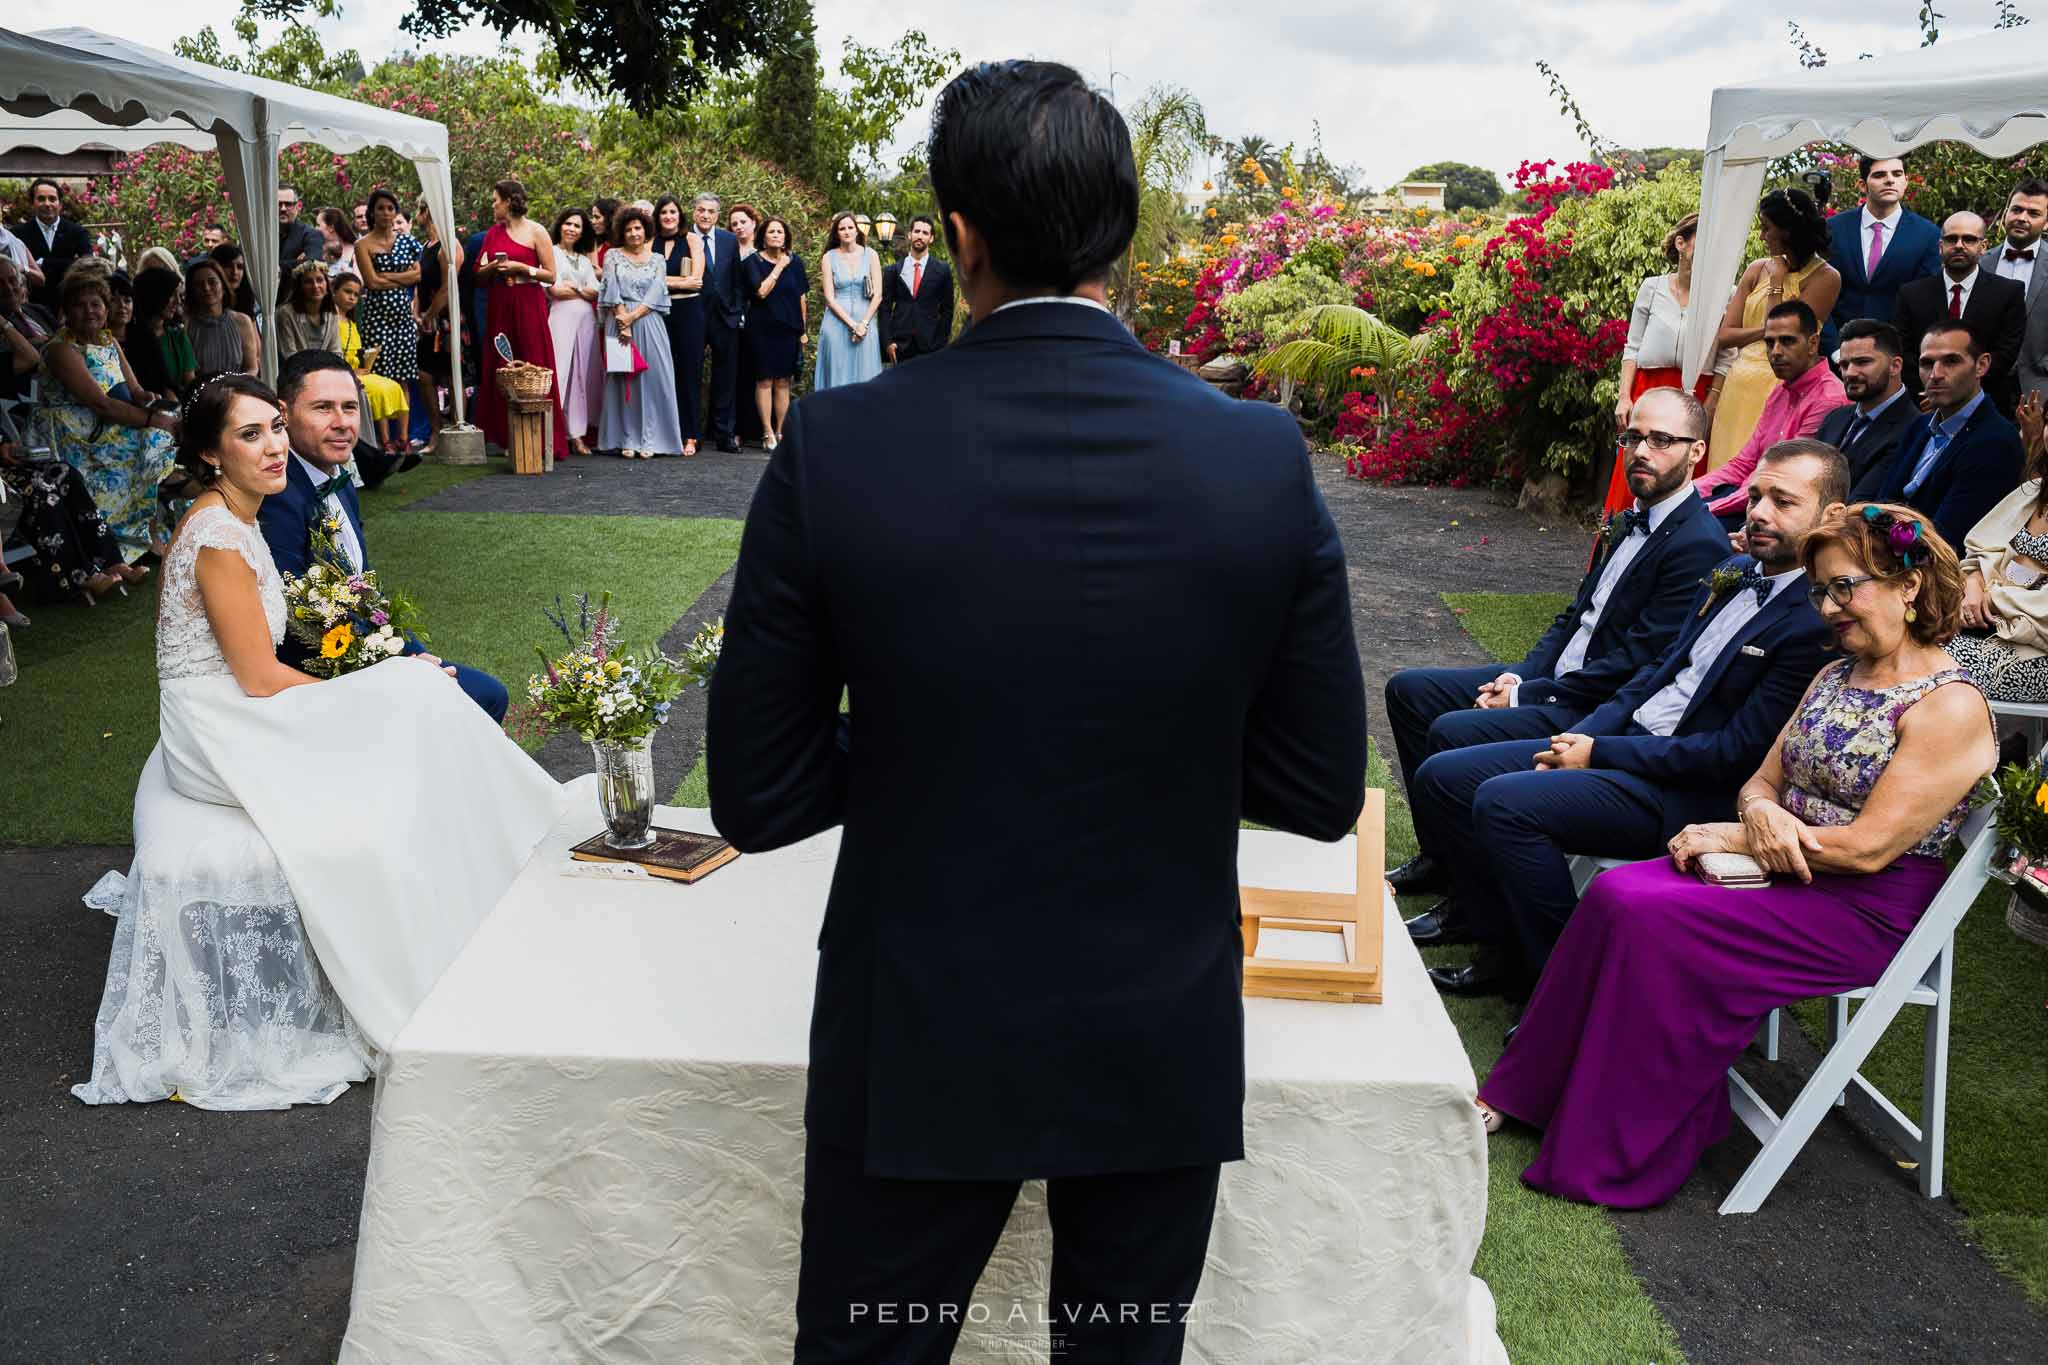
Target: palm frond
[{"x": 1341, "y": 338}]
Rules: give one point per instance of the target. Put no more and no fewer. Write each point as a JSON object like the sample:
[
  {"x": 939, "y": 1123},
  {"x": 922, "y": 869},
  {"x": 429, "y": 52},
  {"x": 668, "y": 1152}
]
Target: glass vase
[{"x": 625, "y": 790}]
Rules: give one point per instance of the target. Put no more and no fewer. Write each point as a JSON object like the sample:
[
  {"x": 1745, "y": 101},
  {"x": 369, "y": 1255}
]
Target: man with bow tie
[
  {"x": 2026, "y": 218},
  {"x": 1670, "y": 749},
  {"x": 322, "y": 415}
]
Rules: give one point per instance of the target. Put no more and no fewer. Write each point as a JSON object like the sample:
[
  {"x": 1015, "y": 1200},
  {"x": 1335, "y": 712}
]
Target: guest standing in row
[
  {"x": 683, "y": 255},
  {"x": 338, "y": 240},
  {"x": 1795, "y": 267},
  {"x": 601, "y": 229},
  {"x": 917, "y": 300},
  {"x": 224, "y": 339},
  {"x": 722, "y": 316},
  {"x": 744, "y": 220},
  {"x": 848, "y": 349},
  {"x": 639, "y": 416},
  {"x": 572, "y": 321},
  {"x": 388, "y": 261},
  {"x": 1879, "y": 247},
  {"x": 778, "y": 318},
  {"x": 430, "y": 306},
  {"x": 1650, "y": 359},
  {"x": 305, "y": 318},
  {"x": 518, "y": 264}
]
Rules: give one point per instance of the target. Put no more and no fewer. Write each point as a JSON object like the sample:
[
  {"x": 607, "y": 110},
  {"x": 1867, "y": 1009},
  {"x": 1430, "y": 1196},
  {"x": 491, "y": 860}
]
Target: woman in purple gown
[{"x": 1661, "y": 980}]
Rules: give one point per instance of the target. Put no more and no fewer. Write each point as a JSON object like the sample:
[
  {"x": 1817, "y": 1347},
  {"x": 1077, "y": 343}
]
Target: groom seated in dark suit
[
  {"x": 1631, "y": 604},
  {"x": 1668, "y": 750},
  {"x": 322, "y": 416}
]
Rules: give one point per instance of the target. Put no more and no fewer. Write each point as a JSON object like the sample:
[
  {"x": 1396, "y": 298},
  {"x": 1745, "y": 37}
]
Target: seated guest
[
  {"x": 306, "y": 317},
  {"x": 76, "y": 553},
  {"x": 234, "y": 270},
  {"x": 24, "y": 332},
  {"x": 1960, "y": 458},
  {"x": 1868, "y": 428},
  {"x": 1807, "y": 391},
  {"x": 158, "y": 349},
  {"x": 1879, "y": 247},
  {"x": 1996, "y": 307},
  {"x": 122, "y": 446},
  {"x": 2004, "y": 644},
  {"x": 224, "y": 339},
  {"x": 1631, "y": 604},
  {"x": 157, "y": 258},
  {"x": 1794, "y": 266},
  {"x": 322, "y": 418},
  {"x": 122, "y": 290},
  {"x": 1668, "y": 750},
  {"x": 1661, "y": 980}
]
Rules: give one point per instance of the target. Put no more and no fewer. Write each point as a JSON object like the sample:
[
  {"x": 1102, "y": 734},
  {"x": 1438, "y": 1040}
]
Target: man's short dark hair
[
  {"x": 1956, "y": 327},
  {"x": 1696, "y": 422},
  {"x": 1041, "y": 165},
  {"x": 924, "y": 218},
  {"x": 41, "y": 181},
  {"x": 293, "y": 374},
  {"x": 1799, "y": 312},
  {"x": 2033, "y": 187},
  {"x": 1881, "y": 335},
  {"x": 1864, "y": 163},
  {"x": 1833, "y": 486},
  {"x": 221, "y": 228}
]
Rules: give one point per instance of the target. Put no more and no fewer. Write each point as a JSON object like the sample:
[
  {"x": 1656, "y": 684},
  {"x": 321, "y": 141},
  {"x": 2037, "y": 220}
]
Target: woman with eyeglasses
[
  {"x": 2004, "y": 641},
  {"x": 1661, "y": 978},
  {"x": 1650, "y": 359}
]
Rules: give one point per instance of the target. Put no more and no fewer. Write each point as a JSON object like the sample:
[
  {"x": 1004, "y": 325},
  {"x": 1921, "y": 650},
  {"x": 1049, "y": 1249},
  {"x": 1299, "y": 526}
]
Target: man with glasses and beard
[
  {"x": 1631, "y": 604},
  {"x": 1670, "y": 749}
]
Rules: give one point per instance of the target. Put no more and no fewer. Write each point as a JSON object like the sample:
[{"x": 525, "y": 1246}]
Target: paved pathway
[{"x": 162, "y": 1233}]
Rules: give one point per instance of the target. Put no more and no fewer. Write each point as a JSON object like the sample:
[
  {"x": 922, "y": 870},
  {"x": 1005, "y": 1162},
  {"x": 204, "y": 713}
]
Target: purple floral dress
[{"x": 1841, "y": 742}]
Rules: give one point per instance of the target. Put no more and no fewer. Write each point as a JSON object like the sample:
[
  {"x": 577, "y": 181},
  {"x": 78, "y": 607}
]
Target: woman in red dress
[{"x": 516, "y": 265}]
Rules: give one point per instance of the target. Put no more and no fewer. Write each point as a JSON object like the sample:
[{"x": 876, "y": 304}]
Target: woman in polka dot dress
[{"x": 389, "y": 263}]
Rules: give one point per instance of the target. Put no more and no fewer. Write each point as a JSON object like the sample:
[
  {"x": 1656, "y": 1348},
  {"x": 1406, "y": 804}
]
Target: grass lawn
[
  {"x": 1997, "y": 1165},
  {"x": 83, "y": 716}
]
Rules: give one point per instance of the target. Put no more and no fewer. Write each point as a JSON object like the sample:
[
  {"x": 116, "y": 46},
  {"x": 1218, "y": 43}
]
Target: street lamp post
[{"x": 885, "y": 227}]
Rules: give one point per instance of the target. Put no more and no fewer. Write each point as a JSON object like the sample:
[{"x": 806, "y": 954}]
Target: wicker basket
[{"x": 521, "y": 380}]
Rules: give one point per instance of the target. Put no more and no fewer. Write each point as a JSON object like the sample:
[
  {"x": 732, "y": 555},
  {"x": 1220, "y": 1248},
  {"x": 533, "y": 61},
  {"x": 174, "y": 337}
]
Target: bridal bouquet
[
  {"x": 341, "y": 614},
  {"x": 605, "y": 693}
]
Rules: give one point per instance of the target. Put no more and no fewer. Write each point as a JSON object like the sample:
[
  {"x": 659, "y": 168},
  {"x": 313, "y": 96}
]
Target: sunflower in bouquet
[{"x": 342, "y": 615}]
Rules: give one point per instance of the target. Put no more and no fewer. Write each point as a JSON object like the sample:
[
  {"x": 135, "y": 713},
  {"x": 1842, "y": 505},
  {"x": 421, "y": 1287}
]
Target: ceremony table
[{"x": 588, "y": 1143}]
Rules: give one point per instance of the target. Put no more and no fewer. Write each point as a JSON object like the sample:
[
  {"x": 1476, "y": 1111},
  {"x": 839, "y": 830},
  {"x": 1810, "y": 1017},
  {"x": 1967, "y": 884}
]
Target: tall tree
[
  {"x": 1465, "y": 186},
  {"x": 1168, "y": 132},
  {"x": 785, "y": 96}
]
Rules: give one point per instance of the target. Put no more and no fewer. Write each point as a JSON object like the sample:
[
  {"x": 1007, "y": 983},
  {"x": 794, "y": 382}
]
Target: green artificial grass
[
  {"x": 81, "y": 720},
  {"x": 1998, "y": 1031},
  {"x": 695, "y": 788}
]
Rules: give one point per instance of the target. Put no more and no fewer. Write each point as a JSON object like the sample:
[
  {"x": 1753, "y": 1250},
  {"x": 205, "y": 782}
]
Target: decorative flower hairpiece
[
  {"x": 1903, "y": 536},
  {"x": 193, "y": 397}
]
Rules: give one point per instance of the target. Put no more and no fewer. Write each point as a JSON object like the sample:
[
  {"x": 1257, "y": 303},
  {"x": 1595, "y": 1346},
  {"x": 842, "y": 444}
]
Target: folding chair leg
[
  {"x": 1838, "y": 1024},
  {"x": 1767, "y": 1036},
  {"x": 1934, "y": 1078}
]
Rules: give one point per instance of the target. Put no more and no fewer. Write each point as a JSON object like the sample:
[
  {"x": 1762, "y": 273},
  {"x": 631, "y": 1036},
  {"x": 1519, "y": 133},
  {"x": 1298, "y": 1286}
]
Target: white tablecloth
[{"x": 588, "y": 1144}]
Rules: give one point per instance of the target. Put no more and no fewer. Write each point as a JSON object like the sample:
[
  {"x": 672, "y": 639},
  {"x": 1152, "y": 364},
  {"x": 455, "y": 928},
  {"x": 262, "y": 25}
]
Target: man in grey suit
[{"x": 2026, "y": 216}]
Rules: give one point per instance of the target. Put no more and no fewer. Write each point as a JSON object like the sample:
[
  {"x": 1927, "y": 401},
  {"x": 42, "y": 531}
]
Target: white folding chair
[{"x": 1921, "y": 973}]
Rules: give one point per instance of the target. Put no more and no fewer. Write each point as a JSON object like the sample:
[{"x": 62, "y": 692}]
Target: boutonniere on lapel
[
  {"x": 1619, "y": 526},
  {"x": 1729, "y": 579}
]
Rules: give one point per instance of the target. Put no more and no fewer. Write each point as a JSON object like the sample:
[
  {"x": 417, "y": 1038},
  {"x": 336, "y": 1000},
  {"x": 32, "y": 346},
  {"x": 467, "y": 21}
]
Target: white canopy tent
[
  {"x": 70, "y": 88},
  {"x": 1987, "y": 92}
]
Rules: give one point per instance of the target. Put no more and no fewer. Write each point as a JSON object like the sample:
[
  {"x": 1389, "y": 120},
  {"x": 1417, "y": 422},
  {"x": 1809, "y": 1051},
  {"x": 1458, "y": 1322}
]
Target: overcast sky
[{"x": 1394, "y": 83}]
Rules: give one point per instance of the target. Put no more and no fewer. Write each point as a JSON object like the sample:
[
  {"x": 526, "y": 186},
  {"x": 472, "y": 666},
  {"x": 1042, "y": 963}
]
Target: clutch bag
[
  {"x": 1731, "y": 870},
  {"x": 622, "y": 357}
]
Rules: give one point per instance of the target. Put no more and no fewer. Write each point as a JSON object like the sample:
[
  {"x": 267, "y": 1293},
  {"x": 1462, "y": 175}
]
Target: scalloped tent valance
[
  {"x": 1988, "y": 92},
  {"x": 67, "y": 88}
]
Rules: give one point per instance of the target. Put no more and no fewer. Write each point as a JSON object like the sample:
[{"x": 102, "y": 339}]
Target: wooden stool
[{"x": 530, "y": 434}]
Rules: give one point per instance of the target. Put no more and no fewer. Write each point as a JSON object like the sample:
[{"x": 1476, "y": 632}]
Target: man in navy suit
[
  {"x": 1868, "y": 428},
  {"x": 1089, "y": 613},
  {"x": 1630, "y": 605},
  {"x": 1995, "y": 307},
  {"x": 1668, "y": 750},
  {"x": 1959, "y": 459},
  {"x": 1878, "y": 247},
  {"x": 917, "y": 300},
  {"x": 721, "y": 295},
  {"x": 322, "y": 415}
]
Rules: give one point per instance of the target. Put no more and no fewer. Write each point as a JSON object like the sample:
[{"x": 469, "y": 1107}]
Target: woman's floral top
[{"x": 1841, "y": 742}]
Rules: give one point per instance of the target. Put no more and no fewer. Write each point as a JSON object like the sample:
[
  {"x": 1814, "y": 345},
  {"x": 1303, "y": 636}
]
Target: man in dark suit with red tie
[
  {"x": 1995, "y": 307},
  {"x": 1088, "y": 614},
  {"x": 917, "y": 300}
]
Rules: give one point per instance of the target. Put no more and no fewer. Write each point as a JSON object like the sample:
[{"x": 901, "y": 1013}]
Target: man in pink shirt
[{"x": 1807, "y": 391}]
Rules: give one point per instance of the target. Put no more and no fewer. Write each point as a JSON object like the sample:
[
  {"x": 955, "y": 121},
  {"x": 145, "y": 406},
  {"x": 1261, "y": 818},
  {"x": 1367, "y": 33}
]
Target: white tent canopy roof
[
  {"x": 64, "y": 89},
  {"x": 1988, "y": 92}
]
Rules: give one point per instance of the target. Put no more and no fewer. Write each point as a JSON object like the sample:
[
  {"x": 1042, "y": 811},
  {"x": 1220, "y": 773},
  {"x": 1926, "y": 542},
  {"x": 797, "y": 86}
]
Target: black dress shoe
[
  {"x": 1420, "y": 873},
  {"x": 730, "y": 445},
  {"x": 1490, "y": 973},
  {"x": 1439, "y": 926}
]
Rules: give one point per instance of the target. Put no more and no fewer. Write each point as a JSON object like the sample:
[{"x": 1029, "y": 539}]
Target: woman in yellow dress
[
  {"x": 1794, "y": 266},
  {"x": 388, "y": 406}
]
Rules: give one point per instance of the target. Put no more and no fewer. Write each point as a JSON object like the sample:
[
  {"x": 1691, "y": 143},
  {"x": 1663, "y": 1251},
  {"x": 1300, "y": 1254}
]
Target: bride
[{"x": 309, "y": 855}]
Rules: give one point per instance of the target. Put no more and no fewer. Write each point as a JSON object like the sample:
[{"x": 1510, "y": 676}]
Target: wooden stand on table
[{"x": 1359, "y": 917}]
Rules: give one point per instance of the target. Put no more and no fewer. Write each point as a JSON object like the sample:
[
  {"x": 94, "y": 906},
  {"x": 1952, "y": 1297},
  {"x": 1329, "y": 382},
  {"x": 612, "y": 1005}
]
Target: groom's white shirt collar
[
  {"x": 350, "y": 544},
  {"x": 1050, "y": 298}
]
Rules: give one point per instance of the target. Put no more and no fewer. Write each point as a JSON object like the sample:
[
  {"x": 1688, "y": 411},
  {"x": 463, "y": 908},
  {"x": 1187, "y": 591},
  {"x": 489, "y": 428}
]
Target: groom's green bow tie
[{"x": 332, "y": 487}]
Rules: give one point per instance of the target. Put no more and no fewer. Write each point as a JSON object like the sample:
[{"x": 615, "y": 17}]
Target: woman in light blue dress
[
  {"x": 639, "y": 417},
  {"x": 848, "y": 349}
]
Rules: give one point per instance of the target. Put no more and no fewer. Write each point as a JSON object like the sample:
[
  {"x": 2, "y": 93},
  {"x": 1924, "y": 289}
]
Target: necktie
[
  {"x": 1753, "y": 577},
  {"x": 916, "y": 276},
  {"x": 1955, "y": 300},
  {"x": 2012, "y": 255},
  {"x": 1857, "y": 426},
  {"x": 1876, "y": 250},
  {"x": 331, "y": 488},
  {"x": 707, "y": 247}
]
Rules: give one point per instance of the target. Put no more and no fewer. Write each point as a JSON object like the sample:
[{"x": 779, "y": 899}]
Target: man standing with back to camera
[{"x": 1089, "y": 614}]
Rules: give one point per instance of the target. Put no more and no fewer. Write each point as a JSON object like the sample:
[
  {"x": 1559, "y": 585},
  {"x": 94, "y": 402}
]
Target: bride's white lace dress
[{"x": 306, "y": 865}]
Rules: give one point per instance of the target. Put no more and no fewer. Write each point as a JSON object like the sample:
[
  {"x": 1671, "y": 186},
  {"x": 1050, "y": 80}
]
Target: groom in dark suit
[
  {"x": 1089, "y": 614},
  {"x": 721, "y": 294},
  {"x": 322, "y": 416},
  {"x": 917, "y": 300}
]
